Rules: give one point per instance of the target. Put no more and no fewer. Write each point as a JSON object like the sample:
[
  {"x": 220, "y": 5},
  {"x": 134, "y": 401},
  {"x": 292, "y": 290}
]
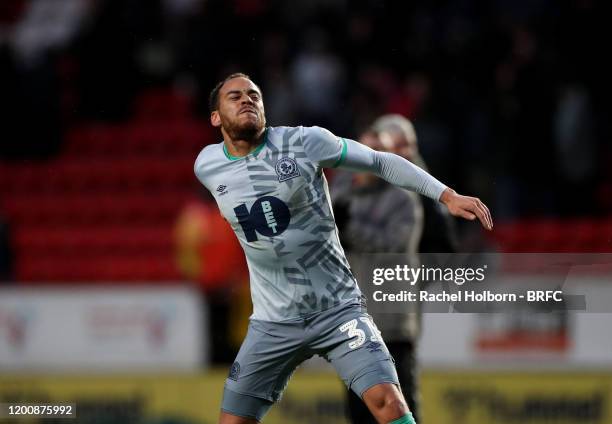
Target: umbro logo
[
  {"x": 222, "y": 190},
  {"x": 373, "y": 347}
]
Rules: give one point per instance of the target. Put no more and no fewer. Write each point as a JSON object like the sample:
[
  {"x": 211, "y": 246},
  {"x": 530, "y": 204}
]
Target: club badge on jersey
[{"x": 286, "y": 168}]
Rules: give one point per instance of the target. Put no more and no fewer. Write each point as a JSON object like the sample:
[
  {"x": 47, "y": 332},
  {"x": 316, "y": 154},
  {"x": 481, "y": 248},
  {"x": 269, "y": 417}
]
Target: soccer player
[{"x": 269, "y": 184}]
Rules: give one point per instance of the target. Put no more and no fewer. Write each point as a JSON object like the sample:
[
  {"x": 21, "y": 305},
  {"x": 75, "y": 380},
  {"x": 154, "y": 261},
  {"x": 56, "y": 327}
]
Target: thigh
[
  {"x": 238, "y": 408},
  {"x": 267, "y": 358},
  {"x": 350, "y": 341}
]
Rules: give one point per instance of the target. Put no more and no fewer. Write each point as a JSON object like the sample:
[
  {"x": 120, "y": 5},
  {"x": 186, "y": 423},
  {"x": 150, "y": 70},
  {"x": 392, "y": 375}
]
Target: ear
[{"x": 215, "y": 119}]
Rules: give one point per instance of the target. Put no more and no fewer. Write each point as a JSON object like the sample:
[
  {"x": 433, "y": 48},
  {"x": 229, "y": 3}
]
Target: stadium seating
[{"x": 104, "y": 209}]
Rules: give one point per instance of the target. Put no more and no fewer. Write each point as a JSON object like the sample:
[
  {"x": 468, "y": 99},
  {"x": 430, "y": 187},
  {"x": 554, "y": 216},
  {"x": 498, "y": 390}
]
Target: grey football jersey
[{"x": 276, "y": 200}]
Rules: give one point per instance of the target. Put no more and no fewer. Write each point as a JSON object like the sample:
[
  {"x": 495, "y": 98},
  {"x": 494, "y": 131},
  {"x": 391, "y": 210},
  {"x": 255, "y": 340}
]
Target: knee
[
  {"x": 385, "y": 402},
  {"x": 396, "y": 407},
  {"x": 391, "y": 404}
]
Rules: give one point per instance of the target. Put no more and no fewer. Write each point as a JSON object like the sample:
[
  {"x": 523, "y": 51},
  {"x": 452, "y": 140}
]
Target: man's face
[
  {"x": 397, "y": 143},
  {"x": 241, "y": 111}
]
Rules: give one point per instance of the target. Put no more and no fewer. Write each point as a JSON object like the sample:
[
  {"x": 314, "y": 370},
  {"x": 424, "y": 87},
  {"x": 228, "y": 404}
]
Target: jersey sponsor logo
[
  {"x": 268, "y": 216},
  {"x": 286, "y": 168}
]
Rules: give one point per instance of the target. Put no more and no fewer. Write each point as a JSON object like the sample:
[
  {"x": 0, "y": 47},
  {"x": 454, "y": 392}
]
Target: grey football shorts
[{"x": 344, "y": 335}]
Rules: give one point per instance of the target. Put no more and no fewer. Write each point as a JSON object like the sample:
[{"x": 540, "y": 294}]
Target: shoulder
[
  {"x": 206, "y": 159},
  {"x": 283, "y": 129},
  {"x": 283, "y": 133},
  {"x": 304, "y": 133},
  {"x": 317, "y": 133},
  {"x": 323, "y": 147}
]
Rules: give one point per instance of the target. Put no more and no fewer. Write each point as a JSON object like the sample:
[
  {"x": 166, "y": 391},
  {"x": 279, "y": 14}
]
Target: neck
[{"x": 242, "y": 146}]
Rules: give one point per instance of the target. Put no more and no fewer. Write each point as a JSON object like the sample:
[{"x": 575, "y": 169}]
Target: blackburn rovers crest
[{"x": 286, "y": 168}]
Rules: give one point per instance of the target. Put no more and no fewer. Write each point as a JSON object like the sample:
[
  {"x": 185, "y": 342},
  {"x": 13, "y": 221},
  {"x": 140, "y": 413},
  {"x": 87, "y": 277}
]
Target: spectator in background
[
  {"x": 318, "y": 78},
  {"x": 576, "y": 148},
  {"x": 416, "y": 225},
  {"x": 47, "y": 26},
  {"x": 209, "y": 254},
  {"x": 378, "y": 217},
  {"x": 397, "y": 134}
]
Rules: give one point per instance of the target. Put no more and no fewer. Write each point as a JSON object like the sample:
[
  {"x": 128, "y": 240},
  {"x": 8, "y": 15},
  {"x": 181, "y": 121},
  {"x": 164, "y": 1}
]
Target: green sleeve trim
[
  {"x": 406, "y": 419},
  {"x": 342, "y": 154},
  {"x": 254, "y": 152}
]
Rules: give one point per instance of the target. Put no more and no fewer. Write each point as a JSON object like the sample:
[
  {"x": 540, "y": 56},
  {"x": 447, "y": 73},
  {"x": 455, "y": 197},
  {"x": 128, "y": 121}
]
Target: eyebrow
[{"x": 249, "y": 91}]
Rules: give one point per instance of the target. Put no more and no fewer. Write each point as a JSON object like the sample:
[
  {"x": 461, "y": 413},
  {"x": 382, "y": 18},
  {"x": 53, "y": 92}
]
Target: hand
[{"x": 467, "y": 207}]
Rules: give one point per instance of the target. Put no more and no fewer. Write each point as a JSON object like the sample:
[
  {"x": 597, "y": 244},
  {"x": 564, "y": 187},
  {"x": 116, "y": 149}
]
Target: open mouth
[{"x": 248, "y": 111}]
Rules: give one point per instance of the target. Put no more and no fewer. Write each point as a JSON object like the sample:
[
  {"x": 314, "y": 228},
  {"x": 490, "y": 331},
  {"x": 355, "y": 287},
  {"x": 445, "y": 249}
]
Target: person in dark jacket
[
  {"x": 397, "y": 135},
  {"x": 377, "y": 217},
  {"x": 398, "y": 222}
]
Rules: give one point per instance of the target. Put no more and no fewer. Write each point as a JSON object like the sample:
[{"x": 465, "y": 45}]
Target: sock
[{"x": 406, "y": 419}]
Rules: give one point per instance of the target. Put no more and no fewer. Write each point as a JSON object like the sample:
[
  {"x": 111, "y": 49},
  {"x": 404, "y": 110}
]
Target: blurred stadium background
[{"x": 114, "y": 284}]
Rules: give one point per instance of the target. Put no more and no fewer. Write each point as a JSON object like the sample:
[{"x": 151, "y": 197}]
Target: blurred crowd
[{"x": 507, "y": 97}]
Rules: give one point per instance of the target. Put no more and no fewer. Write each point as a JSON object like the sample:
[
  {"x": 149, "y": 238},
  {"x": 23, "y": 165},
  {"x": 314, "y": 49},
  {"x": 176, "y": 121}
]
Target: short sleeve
[
  {"x": 323, "y": 148},
  {"x": 199, "y": 167}
]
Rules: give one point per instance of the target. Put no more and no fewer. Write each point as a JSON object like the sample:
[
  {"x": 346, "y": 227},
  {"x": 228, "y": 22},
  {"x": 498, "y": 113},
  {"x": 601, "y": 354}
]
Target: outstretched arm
[{"x": 402, "y": 173}]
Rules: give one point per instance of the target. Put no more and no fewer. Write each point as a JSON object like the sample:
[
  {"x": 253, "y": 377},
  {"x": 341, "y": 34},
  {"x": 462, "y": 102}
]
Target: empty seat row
[
  {"x": 94, "y": 239},
  {"x": 550, "y": 235},
  {"x": 117, "y": 174},
  {"x": 142, "y": 138},
  {"x": 95, "y": 208},
  {"x": 97, "y": 268},
  {"x": 162, "y": 103}
]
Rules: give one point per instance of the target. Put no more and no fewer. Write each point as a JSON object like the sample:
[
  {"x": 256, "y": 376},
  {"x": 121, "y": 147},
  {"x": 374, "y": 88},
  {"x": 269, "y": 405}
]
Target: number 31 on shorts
[{"x": 353, "y": 331}]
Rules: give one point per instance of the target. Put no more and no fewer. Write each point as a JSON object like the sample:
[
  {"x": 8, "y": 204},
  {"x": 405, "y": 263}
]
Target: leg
[
  {"x": 386, "y": 402},
  {"x": 362, "y": 360},
  {"x": 358, "y": 412},
  {"x": 237, "y": 408},
  {"x": 267, "y": 357},
  {"x": 404, "y": 353}
]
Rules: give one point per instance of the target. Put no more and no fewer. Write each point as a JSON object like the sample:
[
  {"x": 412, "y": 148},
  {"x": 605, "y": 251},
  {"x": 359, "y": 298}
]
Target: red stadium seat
[
  {"x": 105, "y": 208},
  {"x": 550, "y": 235}
]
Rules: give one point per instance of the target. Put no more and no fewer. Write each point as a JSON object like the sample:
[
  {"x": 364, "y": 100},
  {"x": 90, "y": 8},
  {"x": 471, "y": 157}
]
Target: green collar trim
[{"x": 254, "y": 152}]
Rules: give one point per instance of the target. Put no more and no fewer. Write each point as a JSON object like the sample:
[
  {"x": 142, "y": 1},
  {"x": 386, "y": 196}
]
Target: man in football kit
[{"x": 269, "y": 185}]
